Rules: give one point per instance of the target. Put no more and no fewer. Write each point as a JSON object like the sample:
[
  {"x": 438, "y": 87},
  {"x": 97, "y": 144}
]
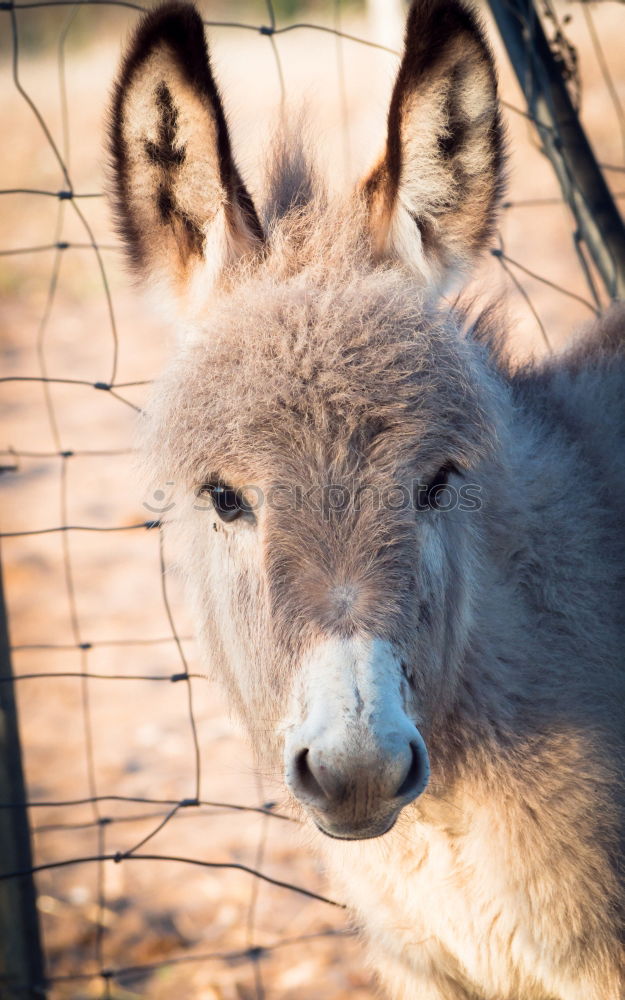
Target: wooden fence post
[
  {"x": 21, "y": 958},
  {"x": 563, "y": 139}
]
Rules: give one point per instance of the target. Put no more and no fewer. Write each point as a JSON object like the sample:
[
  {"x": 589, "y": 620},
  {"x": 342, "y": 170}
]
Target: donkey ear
[
  {"x": 434, "y": 195},
  {"x": 182, "y": 208}
]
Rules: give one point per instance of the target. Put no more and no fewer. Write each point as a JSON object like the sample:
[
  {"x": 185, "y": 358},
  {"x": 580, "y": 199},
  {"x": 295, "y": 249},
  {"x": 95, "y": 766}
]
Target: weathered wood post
[
  {"x": 563, "y": 139},
  {"x": 21, "y": 958}
]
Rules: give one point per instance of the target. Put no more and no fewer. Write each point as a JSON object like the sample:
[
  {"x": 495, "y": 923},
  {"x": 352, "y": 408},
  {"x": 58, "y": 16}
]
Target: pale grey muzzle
[{"x": 355, "y": 759}]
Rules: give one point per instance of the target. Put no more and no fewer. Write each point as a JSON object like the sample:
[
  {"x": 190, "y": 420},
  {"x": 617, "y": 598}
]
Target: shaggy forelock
[{"x": 317, "y": 352}]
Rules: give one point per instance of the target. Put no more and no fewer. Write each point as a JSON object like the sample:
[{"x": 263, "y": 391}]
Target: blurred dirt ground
[{"x": 144, "y": 915}]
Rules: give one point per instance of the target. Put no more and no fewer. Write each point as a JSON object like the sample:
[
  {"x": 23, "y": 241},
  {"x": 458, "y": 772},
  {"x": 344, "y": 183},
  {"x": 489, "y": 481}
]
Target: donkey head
[{"x": 322, "y": 409}]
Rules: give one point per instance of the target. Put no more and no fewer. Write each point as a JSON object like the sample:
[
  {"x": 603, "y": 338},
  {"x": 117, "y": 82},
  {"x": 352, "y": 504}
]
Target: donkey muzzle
[
  {"x": 355, "y": 795},
  {"x": 354, "y": 758}
]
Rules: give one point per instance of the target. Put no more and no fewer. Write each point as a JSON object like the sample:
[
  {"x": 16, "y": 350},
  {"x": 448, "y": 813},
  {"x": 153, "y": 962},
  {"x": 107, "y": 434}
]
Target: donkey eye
[
  {"x": 434, "y": 487},
  {"x": 227, "y": 501}
]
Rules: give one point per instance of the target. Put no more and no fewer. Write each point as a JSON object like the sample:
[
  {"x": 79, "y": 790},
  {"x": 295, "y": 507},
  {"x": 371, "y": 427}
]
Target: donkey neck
[{"x": 533, "y": 655}]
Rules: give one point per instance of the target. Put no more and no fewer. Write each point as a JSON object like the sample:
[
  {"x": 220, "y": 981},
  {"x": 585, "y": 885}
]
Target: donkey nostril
[
  {"x": 307, "y": 781},
  {"x": 414, "y": 782},
  {"x": 326, "y": 781},
  {"x": 316, "y": 781}
]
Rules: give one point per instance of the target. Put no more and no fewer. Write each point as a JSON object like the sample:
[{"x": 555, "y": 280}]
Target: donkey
[{"x": 404, "y": 553}]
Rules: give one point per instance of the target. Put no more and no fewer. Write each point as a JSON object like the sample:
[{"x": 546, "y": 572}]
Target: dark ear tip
[
  {"x": 173, "y": 14},
  {"x": 178, "y": 25},
  {"x": 427, "y": 10},
  {"x": 436, "y": 18},
  {"x": 433, "y": 29}
]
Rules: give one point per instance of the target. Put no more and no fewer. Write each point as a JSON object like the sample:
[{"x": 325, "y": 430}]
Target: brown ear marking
[
  {"x": 446, "y": 95},
  {"x": 179, "y": 28},
  {"x": 169, "y": 157}
]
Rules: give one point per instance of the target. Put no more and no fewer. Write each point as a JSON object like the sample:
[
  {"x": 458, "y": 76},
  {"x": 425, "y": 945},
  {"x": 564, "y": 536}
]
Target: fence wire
[{"x": 18, "y": 461}]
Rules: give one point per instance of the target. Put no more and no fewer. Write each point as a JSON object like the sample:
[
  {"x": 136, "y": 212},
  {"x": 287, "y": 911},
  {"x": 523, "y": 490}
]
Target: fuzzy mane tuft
[{"x": 292, "y": 182}]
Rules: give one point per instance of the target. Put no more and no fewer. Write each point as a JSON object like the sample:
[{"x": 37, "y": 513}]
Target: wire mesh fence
[{"x": 128, "y": 752}]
